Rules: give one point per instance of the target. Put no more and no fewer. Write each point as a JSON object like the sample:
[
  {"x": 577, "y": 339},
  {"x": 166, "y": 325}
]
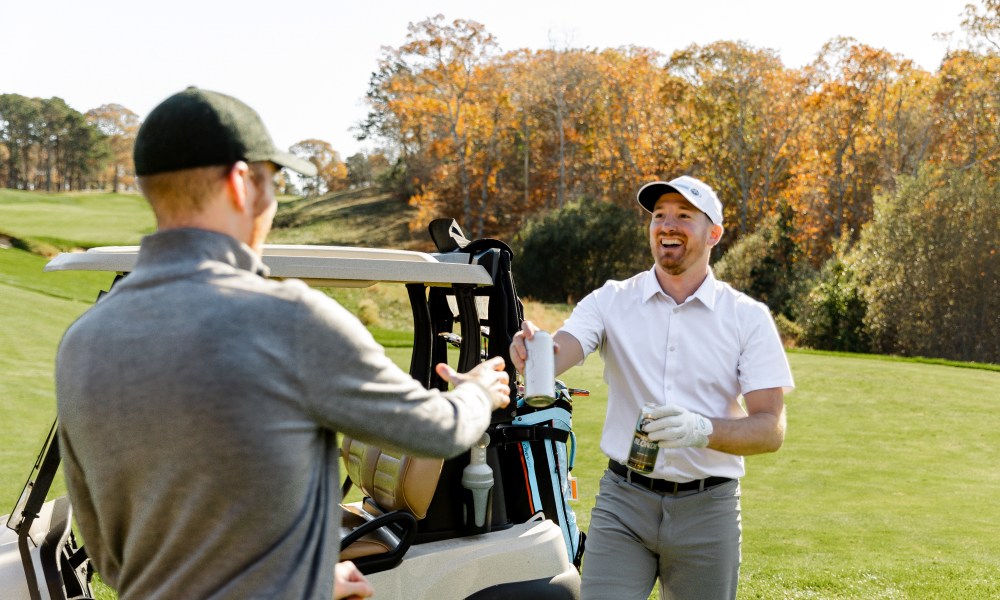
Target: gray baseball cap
[{"x": 200, "y": 128}]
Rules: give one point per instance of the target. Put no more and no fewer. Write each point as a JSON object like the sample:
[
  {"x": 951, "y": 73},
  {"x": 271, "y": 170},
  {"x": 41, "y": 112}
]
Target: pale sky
[{"x": 304, "y": 65}]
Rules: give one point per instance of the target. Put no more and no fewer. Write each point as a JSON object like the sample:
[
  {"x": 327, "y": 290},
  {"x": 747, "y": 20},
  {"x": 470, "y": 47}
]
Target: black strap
[{"x": 531, "y": 433}]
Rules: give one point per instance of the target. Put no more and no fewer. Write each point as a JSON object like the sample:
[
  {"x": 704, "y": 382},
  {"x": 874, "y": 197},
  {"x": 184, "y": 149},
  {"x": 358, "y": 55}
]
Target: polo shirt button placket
[{"x": 671, "y": 365}]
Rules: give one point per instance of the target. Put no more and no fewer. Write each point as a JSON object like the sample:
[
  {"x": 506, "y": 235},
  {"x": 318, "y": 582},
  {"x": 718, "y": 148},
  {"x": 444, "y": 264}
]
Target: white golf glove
[{"x": 677, "y": 427}]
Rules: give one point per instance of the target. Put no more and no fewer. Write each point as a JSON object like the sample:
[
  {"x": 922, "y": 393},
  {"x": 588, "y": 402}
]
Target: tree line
[
  {"x": 47, "y": 145},
  {"x": 861, "y": 192},
  {"x": 498, "y": 139}
]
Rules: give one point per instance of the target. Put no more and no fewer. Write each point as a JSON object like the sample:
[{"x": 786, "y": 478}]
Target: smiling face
[{"x": 681, "y": 236}]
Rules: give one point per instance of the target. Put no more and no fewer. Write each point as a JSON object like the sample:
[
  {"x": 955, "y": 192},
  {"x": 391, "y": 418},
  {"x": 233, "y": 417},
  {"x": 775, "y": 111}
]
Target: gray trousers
[{"x": 691, "y": 541}]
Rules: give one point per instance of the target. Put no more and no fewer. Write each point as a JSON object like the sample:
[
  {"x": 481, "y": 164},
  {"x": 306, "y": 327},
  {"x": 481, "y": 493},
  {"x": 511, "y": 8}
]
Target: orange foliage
[{"x": 494, "y": 140}]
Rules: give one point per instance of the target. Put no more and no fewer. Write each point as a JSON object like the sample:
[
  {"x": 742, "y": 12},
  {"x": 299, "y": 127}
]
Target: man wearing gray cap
[
  {"x": 199, "y": 402},
  {"x": 680, "y": 349}
]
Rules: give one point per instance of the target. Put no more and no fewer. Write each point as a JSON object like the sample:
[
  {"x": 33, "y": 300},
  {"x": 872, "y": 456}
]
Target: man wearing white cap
[{"x": 690, "y": 346}]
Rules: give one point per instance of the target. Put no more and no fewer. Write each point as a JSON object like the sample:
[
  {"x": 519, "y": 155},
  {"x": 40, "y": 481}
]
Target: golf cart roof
[{"x": 334, "y": 266}]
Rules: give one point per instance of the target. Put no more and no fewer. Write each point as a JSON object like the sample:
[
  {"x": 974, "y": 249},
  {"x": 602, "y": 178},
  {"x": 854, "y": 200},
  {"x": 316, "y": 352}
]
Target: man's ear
[
  {"x": 236, "y": 185},
  {"x": 715, "y": 235}
]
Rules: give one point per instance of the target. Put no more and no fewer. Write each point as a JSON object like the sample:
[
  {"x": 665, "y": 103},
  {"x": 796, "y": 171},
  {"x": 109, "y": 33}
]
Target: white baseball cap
[{"x": 697, "y": 193}]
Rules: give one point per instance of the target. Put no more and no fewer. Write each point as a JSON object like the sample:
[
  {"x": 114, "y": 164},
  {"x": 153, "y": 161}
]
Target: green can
[{"x": 642, "y": 454}]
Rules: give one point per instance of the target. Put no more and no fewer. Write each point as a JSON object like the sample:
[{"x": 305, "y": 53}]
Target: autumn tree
[
  {"x": 852, "y": 116},
  {"x": 525, "y": 132},
  {"x": 983, "y": 27},
  {"x": 331, "y": 172},
  {"x": 120, "y": 126},
  {"x": 421, "y": 97},
  {"x": 738, "y": 113},
  {"x": 633, "y": 141},
  {"x": 490, "y": 128},
  {"x": 525, "y": 178},
  {"x": 564, "y": 88},
  {"x": 965, "y": 98},
  {"x": 966, "y": 109}
]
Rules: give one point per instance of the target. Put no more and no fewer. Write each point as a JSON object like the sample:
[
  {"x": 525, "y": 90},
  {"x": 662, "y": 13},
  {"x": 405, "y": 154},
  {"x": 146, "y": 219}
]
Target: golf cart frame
[{"x": 527, "y": 545}]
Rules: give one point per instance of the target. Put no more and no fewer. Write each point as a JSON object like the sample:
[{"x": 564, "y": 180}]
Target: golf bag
[
  {"x": 530, "y": 449},
  {"x": 539, "y": 452}
]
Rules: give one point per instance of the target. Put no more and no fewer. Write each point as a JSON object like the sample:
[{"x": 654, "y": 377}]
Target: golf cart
[{"x": 492, "y": 523}]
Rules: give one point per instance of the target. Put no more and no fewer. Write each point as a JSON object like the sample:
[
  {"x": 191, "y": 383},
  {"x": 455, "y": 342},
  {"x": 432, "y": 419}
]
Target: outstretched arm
[{"x": 567, "y": 348}]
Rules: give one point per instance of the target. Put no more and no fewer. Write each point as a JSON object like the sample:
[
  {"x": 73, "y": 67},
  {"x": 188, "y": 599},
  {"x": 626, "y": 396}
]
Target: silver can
[{"x": 539, "y": 371}]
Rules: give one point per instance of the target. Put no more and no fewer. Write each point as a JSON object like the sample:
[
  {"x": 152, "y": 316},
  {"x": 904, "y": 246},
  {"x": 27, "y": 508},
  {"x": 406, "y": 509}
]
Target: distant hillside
[
  {"x": 364, "y": 217},
  {"x": 47, "y": 223}
]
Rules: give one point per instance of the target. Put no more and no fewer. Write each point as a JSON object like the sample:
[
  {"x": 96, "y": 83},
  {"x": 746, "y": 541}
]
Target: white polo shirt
[{"x": 701, "y": 354}]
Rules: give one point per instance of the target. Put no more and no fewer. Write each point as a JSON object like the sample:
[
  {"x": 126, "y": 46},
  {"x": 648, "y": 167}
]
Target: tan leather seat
[{"x": 398, "y": 490}]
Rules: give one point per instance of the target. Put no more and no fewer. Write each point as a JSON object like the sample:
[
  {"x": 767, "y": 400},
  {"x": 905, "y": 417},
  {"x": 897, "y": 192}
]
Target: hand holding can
[
  {"x": 642, "y": 454},
  {"x": 539, "y": 371}
]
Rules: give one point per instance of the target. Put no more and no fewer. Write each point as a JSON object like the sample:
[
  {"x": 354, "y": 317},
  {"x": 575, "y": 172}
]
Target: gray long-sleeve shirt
[{"x": 198, "y": 404}]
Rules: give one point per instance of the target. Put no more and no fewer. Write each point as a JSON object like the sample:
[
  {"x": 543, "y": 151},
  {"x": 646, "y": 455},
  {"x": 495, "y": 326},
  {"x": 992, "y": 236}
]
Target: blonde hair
[
  {"x": 179, "y": 193},
  {"x": 186, "y": 192}
]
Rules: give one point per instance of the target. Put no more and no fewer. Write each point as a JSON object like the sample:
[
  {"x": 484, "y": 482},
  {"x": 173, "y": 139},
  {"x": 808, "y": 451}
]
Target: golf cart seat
[{"x": 398, "y": 489}]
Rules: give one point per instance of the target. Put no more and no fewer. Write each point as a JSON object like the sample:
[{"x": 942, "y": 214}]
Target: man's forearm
[
  {"x": 570, "y": 352},
  {"x": 763, "y": 430},
  {"x": 755, "y": 434}
]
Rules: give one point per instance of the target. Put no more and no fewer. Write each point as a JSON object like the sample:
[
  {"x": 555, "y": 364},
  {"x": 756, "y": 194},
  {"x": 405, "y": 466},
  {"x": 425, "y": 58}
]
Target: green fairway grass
[
  {"x": 35, "y": 309},
  {"x": 75, "y": 220},
  {"x": 885, "y": 488}
]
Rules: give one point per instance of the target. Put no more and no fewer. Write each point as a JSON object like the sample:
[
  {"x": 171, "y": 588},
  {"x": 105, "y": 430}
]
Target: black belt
[{"x": 662, "y": 485}]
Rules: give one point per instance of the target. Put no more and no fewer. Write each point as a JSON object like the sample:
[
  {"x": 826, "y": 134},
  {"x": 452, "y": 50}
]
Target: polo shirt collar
[
  {"x": 190, "y": 246},
  {"x": 705, "y": 292}
]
